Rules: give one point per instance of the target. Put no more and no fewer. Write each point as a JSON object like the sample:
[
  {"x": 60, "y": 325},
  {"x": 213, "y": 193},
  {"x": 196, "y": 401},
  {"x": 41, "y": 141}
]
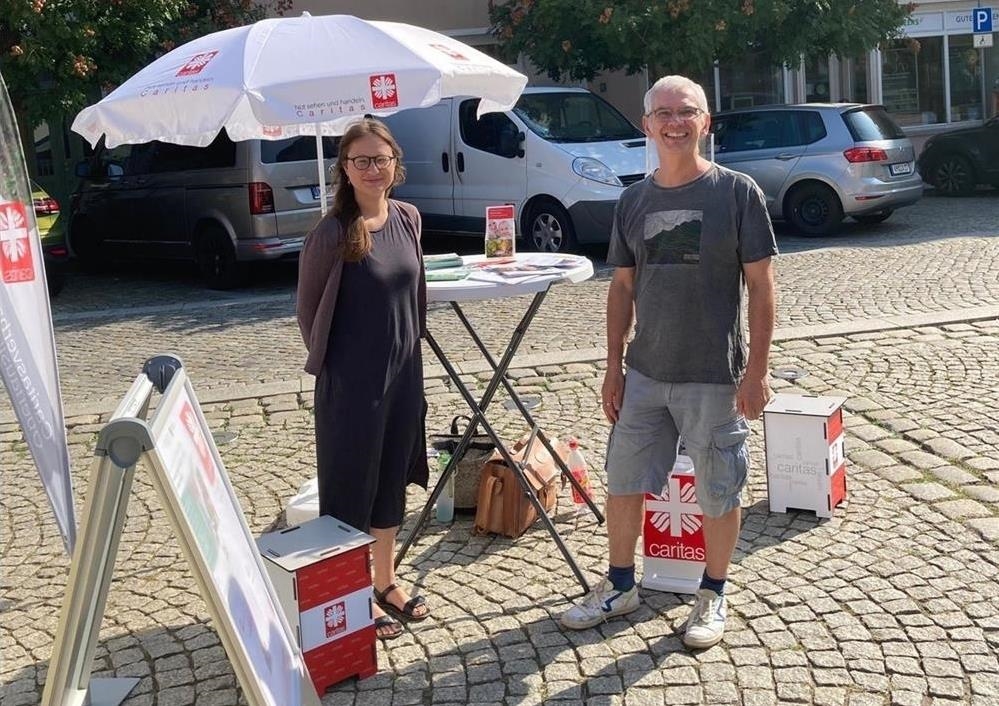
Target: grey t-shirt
[{"x": 687, "y": 245}]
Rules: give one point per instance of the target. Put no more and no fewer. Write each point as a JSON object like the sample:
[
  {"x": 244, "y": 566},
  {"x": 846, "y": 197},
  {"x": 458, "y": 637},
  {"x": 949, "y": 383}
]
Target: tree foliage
[
  {"x": 56, "y": 56},
  {"x": 580, "y": 38}
]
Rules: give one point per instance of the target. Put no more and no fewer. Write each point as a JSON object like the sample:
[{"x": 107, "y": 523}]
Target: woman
[{"x": 362, "y": 309}]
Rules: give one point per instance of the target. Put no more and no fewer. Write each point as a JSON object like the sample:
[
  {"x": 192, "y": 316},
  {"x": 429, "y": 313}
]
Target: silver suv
[
  {"x": 222, "y": 205},
  {"x": 819, "y": 162}
]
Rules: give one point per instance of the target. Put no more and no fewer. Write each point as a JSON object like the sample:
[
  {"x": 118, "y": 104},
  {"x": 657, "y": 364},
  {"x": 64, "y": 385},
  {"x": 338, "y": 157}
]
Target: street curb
[{"x": 306, "y": 383}]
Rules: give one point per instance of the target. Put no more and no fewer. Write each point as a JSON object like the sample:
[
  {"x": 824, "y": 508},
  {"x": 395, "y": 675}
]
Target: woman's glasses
[{"x": 363, "y": 163}]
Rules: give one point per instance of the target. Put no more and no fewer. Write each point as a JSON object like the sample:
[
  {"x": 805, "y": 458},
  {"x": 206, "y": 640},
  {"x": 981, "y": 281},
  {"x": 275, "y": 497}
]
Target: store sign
[
  {"x": 922, "y": 23},
  {"x": 968, "y": 21}
]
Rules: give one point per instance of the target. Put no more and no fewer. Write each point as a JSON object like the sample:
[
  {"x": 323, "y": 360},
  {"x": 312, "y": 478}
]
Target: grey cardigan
[{"x": 320, "y": 267}]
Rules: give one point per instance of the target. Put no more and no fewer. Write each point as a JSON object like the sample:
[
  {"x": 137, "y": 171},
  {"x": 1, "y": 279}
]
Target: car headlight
[{"x": 595, "y": 170}]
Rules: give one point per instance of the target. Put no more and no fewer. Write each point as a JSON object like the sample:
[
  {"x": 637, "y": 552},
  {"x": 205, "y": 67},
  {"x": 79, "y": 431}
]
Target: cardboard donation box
[
  {"x": 806, "y": 464},
  {"x": 321, "y": 574},
  {"x": 673, "y": 538}
]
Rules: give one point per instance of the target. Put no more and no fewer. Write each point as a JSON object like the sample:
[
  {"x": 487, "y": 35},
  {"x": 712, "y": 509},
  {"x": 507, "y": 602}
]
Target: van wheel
[
  {"x": 870, "y": 219},
  {"x": 85, "y": 243},
  {"x": 954, "y": 176},
  {"x": 216, "y": 258},
  {"x": 814, "y": 209},
  {"x": 549, "y": 228}
]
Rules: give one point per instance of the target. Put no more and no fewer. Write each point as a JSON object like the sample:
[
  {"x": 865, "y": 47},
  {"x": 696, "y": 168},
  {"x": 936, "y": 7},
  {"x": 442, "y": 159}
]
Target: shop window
[
  {"x": 853, "y": 80},
  {"x": 43, "y": 150},
  {"x": 817, "y": 80},
  {"x": 965, "y": 78},
  {"x": 912, "y": 80},
  {"x": 753, "y": 81}
]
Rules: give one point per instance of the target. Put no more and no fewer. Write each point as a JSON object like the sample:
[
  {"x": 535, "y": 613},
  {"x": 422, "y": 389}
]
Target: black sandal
[
  {"x": 387, "y": 621},
  {"x": 408, "y": 611}
]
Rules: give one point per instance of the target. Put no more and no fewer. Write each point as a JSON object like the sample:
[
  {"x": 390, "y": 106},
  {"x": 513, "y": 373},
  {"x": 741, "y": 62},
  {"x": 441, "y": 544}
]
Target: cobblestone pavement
[
  {"x": 903, "y": 266},
  {"x": 893, "y": 601}
]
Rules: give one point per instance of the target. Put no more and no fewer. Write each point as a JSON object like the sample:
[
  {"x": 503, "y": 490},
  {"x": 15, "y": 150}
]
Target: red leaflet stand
[
  {"x": 673, "y": 538},
  {"x": 806, "y": 463},
  {"x": 321, "y": 573}
]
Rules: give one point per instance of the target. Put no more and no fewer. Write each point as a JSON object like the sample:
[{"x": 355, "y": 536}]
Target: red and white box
[
  {"x": 806, "y": 463},
  {"x": 321, "y": 571},
  {"x": 672, "y": 534}
]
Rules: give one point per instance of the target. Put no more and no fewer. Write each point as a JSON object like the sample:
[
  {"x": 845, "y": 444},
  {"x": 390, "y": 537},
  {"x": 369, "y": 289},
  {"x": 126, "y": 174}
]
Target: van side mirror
[
  {"x": 510, "y": 142},
  {"x": 83, "y": 169}
]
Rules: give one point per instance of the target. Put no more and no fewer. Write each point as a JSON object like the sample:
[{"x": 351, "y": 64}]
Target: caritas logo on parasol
[{"x": 384, "y": 91}]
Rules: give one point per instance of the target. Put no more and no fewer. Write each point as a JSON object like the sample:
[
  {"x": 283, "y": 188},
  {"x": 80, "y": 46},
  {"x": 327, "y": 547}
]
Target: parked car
[
  {"x": 221, "y": 206},
  {"x": 51, "y": 229},
  {"x": 819, "y": 162},
  {"x": 562, "y": 156},
  {"x": 956, "y": 162}
]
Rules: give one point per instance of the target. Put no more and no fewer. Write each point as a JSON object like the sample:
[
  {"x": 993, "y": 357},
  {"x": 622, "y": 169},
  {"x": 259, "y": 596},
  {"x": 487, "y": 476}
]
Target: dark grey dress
[{"x": 369, "y": 401}]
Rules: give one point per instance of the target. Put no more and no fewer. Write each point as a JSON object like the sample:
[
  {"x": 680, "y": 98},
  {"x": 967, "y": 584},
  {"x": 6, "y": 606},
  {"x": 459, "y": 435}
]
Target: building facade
[{"x": 935, "y": 77}]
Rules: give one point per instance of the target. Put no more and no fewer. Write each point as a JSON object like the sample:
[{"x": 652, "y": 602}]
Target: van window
[
  {"x": 485, "y": 133},
  {"x": 872, "y": 123},
  {"x": 220, "y": 154},
  {"x": 573, "y": 117},
  {"x": 296, "y": 149}
]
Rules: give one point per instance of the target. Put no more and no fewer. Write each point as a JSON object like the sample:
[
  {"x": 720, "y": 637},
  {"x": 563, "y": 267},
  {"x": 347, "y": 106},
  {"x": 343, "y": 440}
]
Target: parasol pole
[{"x": 322, "y": 169}]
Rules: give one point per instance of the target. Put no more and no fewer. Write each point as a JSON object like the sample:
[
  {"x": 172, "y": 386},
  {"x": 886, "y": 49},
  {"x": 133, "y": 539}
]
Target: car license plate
[
  {"x": 896, "y": 169},
  {"x": 315, "y": 192}
]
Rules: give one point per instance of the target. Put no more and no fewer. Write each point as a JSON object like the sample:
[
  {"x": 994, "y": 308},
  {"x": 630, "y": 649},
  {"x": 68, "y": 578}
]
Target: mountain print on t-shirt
[{"x": 673, "y": 237}]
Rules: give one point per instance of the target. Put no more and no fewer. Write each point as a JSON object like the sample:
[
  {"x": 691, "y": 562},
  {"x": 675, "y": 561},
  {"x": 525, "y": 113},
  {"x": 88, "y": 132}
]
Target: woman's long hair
[{"x": 357, "y": 239}]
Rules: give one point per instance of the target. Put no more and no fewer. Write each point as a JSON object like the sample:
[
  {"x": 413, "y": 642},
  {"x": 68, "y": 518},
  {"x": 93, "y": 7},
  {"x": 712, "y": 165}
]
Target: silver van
[
  {"x": 221, "y": 206},
  {"x": 820, "y": 162}
]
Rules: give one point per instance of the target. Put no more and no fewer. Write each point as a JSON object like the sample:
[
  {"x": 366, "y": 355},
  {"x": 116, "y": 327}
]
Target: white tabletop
[{"x": 482, "y": 283}]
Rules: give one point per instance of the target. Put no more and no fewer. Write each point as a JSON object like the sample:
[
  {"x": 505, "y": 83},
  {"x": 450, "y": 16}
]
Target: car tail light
[
  {"x": 865, "y": 154},
  {"x": 261, "y": 198},
  {"x": 46, "y": 206}
]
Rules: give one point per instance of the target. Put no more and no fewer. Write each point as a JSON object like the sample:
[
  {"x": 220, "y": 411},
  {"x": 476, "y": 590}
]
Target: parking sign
[{"x": 981, "y": 19}]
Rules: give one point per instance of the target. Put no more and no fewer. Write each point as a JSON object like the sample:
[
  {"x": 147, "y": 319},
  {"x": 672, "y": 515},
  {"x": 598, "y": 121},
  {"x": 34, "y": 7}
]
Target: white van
[{"x": 562, "y": 156}]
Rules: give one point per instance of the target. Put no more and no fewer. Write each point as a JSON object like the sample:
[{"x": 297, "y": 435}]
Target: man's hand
[
  {"x": 752, "y": 396},
  {"x": 612, "y": 393}
]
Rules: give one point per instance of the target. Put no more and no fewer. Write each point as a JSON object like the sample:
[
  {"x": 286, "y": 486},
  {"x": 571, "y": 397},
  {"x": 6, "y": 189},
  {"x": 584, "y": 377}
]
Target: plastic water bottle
[
  {"x": 577, "y": 467},
  {"x": 445, "y": 501}
]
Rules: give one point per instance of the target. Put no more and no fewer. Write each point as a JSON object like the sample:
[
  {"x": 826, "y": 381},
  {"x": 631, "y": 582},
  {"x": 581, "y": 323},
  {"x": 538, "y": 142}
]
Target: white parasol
[{"x": 293, "y": 76}]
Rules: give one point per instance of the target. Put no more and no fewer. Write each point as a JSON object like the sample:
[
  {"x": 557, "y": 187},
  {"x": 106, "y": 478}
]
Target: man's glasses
[
  {"x": 688, "y": 112},
  {"x": 363, "y": 163}
]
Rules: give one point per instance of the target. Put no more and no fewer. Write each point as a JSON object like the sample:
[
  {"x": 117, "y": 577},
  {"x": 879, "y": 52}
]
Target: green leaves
[
  {"x": 57, "y": 56},
  {"x": 579, "y": 38}
]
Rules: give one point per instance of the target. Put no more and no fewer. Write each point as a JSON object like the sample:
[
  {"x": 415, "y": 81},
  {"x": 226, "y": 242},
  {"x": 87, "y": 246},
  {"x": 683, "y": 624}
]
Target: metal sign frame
[{"x": 126, "y": 439}]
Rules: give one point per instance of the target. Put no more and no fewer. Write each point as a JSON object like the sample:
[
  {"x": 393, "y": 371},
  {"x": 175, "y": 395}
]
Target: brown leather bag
[{"x": 503, "y": 508}]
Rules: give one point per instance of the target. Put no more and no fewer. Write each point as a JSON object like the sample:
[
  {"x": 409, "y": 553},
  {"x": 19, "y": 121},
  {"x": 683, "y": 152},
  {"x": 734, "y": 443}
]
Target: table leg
[
  {"x": 478, "y": 417},
  {"x": 526, "y": 414}
]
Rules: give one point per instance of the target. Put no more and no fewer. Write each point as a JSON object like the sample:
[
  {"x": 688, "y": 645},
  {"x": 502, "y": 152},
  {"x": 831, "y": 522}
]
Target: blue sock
[
  {"x": 716, "y": 585},
  {"x": 623, "y": 577}
]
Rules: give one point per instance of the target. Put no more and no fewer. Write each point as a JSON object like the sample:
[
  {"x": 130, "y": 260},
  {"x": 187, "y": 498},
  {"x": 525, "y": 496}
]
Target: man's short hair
[{"x": 677, "y": 83}]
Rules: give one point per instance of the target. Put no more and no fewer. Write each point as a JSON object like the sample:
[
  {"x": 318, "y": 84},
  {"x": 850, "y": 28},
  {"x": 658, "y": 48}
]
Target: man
[{"x": 685, "y": 240}]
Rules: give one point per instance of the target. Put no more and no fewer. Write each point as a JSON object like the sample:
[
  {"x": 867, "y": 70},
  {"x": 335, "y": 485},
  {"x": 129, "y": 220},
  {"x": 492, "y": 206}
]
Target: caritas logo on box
[
  {"x": 336, "y": 619},
  {"x": 673, "y": 522},
  {"x": 384, "y": 91},
  {"x": 16, "y": 263}
]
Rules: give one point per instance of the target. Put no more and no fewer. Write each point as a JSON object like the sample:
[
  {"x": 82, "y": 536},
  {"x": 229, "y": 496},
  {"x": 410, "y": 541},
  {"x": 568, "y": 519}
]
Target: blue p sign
[{"x": 981, "y": 19}]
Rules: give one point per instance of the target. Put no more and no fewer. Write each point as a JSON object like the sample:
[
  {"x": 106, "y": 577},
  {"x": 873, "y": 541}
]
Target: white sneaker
[
  {"x": 600, "y": 604},
  {"x": 706, "y": 624}
]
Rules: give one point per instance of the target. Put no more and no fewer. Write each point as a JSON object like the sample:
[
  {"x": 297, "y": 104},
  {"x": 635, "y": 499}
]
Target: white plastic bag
[{"x": 305, "y": 505}]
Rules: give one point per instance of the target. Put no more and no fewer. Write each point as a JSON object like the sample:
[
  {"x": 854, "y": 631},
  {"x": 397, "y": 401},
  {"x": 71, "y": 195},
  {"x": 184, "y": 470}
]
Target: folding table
[{"x": 486, "y": 284}]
